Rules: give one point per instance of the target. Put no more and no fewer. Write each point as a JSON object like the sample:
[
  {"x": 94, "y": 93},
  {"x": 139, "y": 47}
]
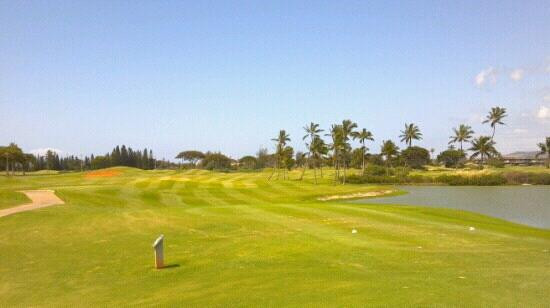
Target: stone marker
[{"x": 158, "y": 245}]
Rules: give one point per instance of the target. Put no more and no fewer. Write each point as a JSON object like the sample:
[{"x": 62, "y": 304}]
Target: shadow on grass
[{"x": 169, "y": 266}]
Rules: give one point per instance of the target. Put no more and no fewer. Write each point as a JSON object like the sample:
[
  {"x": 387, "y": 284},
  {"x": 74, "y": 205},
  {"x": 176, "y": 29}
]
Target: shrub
[
  {"x": 495, "y": 162},
  {"x": 539, "y": 178},
  {"x": 527, "y": 178},
  {"x": 480, "y": 180},
  {"x": 451, "y": 158},
  {"x": 377, "y": 170}
]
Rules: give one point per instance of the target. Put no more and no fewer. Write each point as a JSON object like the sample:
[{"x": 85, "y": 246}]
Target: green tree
[
  {"x": 544, "y": 149},
  {"x": 363, "y": 136},
  {"x": 461, "y": 134},
  {"x": 348, "y": 128},
  {"x": 484, "y": 147},
  {"x": 100, "y": 162},
  {"x": 410, "y": 132},
  {"x": 12, "y": 154},
  {"x": 312, "y": 132},
  {"x": 191, "y": 156},
  {"x": 318, "y": 151},
  {"x": 216, "y": 161},
  {"x": 248, "y": 162},
  {"x": 263, "y": 158},
  {"x": 416, "y": 157},
  {"x": 451, "y": 157},
  {"x": 287, "y": 160},
  {"x": 389, "y": 150},
  {"x": 337, "y": 148},
  {"x": 495, "y": 117},
  {"x": 281, "y": 140},
  {"x": 301, "y": 159}
]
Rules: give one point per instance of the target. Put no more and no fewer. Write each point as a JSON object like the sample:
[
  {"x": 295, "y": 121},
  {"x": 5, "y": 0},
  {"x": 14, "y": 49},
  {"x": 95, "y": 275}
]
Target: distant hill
[{"x": 521, "y": 155}]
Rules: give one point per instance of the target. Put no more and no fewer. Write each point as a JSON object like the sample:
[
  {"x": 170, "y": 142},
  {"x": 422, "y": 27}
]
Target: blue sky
[{"x": 83, "y": 76}]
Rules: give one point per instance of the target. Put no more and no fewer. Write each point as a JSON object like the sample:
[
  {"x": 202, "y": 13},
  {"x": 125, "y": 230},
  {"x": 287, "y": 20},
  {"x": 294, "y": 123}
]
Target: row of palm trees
[{"x": 340, "y": 147}]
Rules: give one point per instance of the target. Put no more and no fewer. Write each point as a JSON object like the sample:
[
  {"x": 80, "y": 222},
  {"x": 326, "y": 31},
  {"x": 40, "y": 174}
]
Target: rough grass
[{"x": 235, "y": 239}]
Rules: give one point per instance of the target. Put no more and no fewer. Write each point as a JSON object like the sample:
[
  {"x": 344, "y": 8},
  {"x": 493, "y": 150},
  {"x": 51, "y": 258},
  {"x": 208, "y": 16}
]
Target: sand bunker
[
  {"x": 102, "y": 174},
  {"x": 39, "y": 198},
  {"x": 356, "y": 195}
]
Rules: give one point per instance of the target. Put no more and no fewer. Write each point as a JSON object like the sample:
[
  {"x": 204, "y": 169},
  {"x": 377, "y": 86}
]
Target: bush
[
  {"x": 495, "y": 162},
  {"x": 457, "y": 180},
  {"x": 378, "y": 179},
  {"x": 451, "y": 158},
  {"x": 479, "y": 180},
  {"x": 377, "y": 170},
  {"x": 527, "y": 178},
  {"x": 539, "y": 178}
]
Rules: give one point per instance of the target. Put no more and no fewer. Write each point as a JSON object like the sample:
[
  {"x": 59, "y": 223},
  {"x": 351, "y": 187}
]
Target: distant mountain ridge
[{"x": 521, "y": 155}]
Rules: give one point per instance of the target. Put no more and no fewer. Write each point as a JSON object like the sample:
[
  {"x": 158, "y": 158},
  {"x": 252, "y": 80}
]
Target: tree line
[
  {"x": 338, "y": 153},
  {"x": 12, "y": 159},
  {"x": 331, "y": 149}
]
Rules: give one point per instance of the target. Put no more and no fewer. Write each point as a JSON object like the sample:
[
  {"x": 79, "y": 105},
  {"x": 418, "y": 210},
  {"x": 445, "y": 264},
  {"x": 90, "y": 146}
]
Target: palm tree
[
  {"x": 347, "y": 130},
  {"x": 337, "y": 145},
  {"x": 281, "y": 140},
  {"x": 462, "y": 134},
  {"x": 363, "y": 136},
  {"x": 389, "y": 150},
  {"x": 483, "y": 146},
  {"x": 495, "y": 117},
  {"x": 410, "y": 132},
  {"x": 312, "y": 132},
  {"x": 545, "y": 149},
  {"x": 318, "y": 150}
]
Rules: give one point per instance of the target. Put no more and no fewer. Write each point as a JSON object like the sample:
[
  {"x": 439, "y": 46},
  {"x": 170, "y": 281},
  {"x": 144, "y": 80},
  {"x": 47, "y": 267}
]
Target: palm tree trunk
[
  {"x": 336, "y": 171},
  {"x": 363, "y": 164},
  {"x": 493, "y": 135},
  {"x": 315, "y": 175},
  {"x": 345, "y": 165},
  {"x": 304, "y": 169}
]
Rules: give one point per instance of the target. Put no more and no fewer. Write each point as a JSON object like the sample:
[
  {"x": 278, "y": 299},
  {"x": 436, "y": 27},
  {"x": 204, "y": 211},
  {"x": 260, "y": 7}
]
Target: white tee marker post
[{"x": 158, "y": 245}]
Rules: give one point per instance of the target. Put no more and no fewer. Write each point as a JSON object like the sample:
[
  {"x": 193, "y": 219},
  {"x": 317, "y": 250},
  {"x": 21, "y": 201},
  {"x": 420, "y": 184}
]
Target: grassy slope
[
  {"x": 236, "y": 239},
  {"x": 9, "y": 198}
]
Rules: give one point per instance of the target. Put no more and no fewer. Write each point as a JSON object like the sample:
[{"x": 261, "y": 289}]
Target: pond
[{"x": 529, "y": 205}]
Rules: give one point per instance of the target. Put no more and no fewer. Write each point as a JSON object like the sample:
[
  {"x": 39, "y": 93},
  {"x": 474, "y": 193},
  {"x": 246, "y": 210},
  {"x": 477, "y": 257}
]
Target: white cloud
[
  {"x": 546, "y": 98},
  {"x": 488, "y": 75},
  {"x": 517, "y": 74},
  {"x": 543, "y": 113},
  {"x": 42, "y": 151},
  {"x": 520, "y": 130}
]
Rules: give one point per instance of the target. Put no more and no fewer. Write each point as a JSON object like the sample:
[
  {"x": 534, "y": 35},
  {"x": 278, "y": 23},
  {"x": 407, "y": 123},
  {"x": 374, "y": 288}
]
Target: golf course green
[{"x": 237, "y": 239}]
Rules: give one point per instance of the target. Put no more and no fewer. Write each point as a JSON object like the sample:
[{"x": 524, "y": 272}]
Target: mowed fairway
[{"x": 236, "y": 239}]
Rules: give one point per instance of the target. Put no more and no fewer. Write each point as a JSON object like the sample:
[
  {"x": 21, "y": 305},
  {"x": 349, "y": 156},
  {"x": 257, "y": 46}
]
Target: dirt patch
[
  {"x": 39, "y": 198},
  {"x": 102, "y": 174},
  {"x": 356, "y": 195}
]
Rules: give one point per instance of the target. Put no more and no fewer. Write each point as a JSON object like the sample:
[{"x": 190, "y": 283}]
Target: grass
[
  {"x": 10, "y": 198},
  {"x": 436, "y": 171},
  {"x": 235, "y": 239}
]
